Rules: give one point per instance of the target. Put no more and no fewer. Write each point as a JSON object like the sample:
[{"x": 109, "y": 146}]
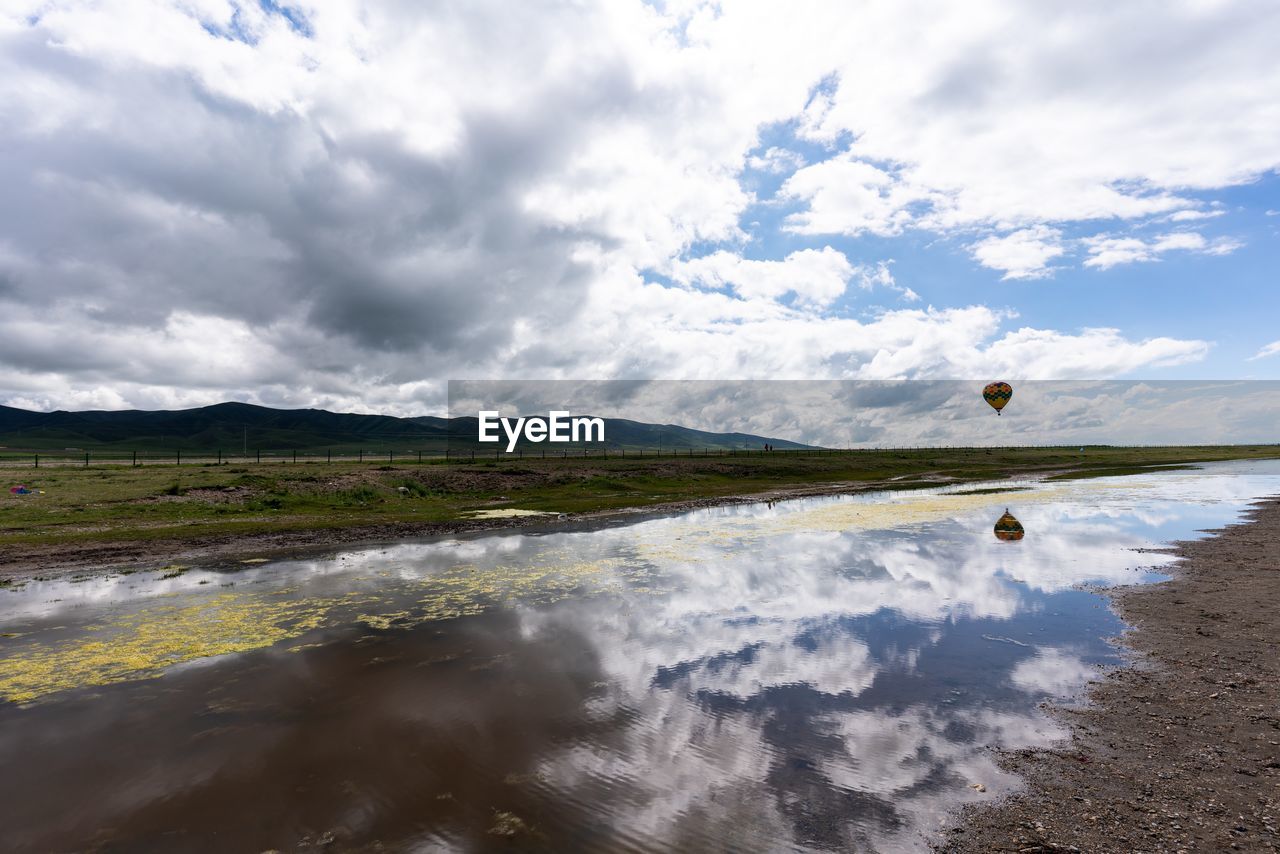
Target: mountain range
[{"x": 242, "y": 426}]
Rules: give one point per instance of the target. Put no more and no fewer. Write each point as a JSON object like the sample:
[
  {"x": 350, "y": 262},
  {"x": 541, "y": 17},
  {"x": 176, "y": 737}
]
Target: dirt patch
[
  {"x": 203, "y": 495},
  {"x": 1180, "y": 752}
]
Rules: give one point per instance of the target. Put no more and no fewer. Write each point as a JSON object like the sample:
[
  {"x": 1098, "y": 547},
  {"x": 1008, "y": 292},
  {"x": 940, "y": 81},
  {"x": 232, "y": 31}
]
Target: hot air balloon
[
  {"x": 1008, "y": 527},
  {"x": 997, "y": 394}
]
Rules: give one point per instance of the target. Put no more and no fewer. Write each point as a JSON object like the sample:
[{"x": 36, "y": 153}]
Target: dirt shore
[
  {"x": 1180, "y": 752},
  {"x": 25, "y": 561}
]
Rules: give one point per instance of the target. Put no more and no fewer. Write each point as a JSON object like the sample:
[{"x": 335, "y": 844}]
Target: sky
[{"x": 346, "y": 205}]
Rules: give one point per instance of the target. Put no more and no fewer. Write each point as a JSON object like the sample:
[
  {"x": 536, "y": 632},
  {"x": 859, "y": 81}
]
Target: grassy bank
[{"x": 122, "y": 504}]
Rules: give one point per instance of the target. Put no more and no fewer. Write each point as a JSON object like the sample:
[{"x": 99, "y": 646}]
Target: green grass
[{"x": 122, "y": 503}]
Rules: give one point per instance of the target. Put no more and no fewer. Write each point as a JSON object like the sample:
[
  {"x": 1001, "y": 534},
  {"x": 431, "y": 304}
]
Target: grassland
[{"x": 112, "y": 514}]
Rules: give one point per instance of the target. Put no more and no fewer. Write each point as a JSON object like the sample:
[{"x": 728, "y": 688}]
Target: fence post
[
  {"x": 219, "y": 456},
  {"x": 391, "y": 456},
  {"x": 37, "y": 461},
  {"x": 135, "y": 458},
  {"x": 259, "y": 453},
  {"x": 328, "y": 455},
  {"x": 360, "y": 456},
  {"x": 295, "y": 455},
  {"x": 86, "y": 459},
  {"x": 179, "y": 457},
  {"x": 420, "y": 455}
]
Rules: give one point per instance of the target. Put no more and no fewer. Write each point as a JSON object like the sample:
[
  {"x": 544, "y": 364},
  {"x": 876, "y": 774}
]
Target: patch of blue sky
[
  {"x": 236, "y": 30},
  {"x": 293, "y": 14},
  {"x": 1228, "y": 299}
]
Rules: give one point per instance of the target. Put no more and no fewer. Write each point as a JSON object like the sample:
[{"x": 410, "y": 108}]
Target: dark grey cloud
[{"x": 158, "y": 195}]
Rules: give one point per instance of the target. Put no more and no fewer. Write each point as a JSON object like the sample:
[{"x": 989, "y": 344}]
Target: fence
[
  {"x": 38, "y": 459},
  {"x": 404, "y": 456}
]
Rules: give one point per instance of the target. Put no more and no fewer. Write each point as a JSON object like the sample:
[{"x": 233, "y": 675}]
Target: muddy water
[{"x": 812, "y": 675}]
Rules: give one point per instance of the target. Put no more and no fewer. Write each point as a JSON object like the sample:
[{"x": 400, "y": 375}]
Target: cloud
[
  {"x": 1270, "y": 350},
  {"x": 346, "y": 205},
  {"x": 1051, "y": 671},
  {"x": 1023, "y": 254},
  {"x": 998, "y": 116},
  {"x": 847, "y": 196},
  {"x": 815, "y": 277},
  {"x": 880, "y": 275},
  {"x": 1107, "y": 252},
  {"x": 1191, "y": 215},
  {"x": 776, "y": 160}
]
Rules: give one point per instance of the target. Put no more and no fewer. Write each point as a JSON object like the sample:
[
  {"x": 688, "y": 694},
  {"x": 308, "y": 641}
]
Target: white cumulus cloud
[{"x": 1022, "y": 254}]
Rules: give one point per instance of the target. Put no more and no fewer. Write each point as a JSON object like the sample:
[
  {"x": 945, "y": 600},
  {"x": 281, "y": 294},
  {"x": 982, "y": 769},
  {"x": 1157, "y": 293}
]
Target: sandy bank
[{"x": 1182, "y": 751}]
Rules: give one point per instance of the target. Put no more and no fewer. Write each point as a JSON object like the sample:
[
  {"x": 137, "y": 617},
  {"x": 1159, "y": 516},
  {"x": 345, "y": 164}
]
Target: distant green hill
[{"x": 235, "y": 426}]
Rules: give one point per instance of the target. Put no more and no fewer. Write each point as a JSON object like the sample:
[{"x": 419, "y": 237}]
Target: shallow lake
[{"x": 816, "y": 674}]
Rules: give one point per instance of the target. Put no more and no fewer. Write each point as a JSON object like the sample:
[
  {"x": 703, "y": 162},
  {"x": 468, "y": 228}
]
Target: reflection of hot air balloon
[
  {"x": 1009, "y": 528},
  {"x": 997, "y": 394}
]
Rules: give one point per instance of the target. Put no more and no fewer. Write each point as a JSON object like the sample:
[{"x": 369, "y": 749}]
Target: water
[{"x": 809, "y": 675}]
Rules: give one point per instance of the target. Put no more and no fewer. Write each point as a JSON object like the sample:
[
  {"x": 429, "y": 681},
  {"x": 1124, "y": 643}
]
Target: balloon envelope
[
  {"x": 997, "y": 394},
  {"x": 1008, "y": 527}
]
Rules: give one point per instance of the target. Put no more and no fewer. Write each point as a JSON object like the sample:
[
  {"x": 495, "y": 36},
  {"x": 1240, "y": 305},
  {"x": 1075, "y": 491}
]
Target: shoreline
[
  {"x": 50, "y": 560},
  {"x": 101, "y": 520},
  {"x": 1179, "y": 750}
]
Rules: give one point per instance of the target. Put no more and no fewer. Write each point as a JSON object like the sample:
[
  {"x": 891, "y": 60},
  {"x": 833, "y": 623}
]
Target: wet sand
[{"x": 1181, "y": 752}]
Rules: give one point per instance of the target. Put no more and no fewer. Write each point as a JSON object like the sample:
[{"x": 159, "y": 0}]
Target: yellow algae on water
[
  {"x": 383, "y": 621},
  {"x": 174, "y": 629},
  {"x": 143, "y": 644}
]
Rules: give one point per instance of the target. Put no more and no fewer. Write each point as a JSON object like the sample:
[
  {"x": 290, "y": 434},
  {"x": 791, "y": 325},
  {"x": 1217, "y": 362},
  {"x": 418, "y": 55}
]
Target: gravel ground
[{"x": 1180, "y": 752}]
